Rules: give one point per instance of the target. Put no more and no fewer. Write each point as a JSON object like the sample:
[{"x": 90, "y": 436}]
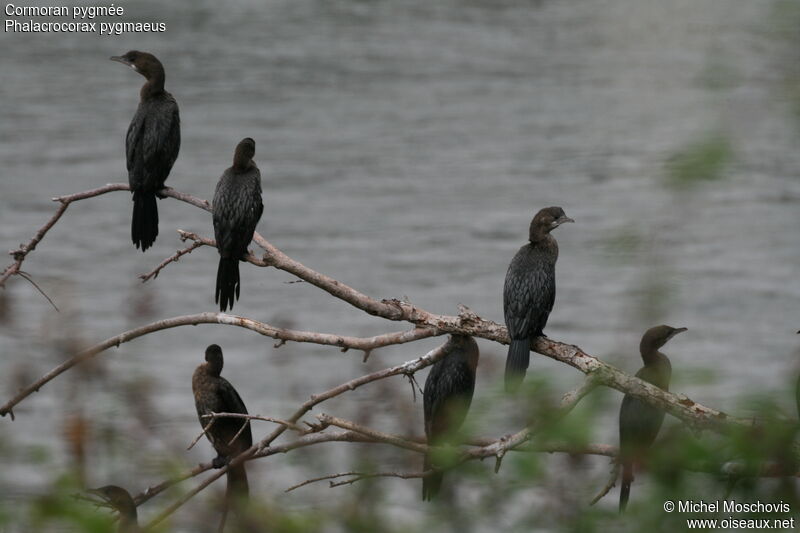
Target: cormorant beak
[
  {"x": 676, "y": 331},
  {"x": 124, "y": 61},
  {"x": 561, "y": 220}
]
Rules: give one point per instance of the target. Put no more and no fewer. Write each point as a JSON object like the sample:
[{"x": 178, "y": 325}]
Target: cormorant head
[
  {"x": 656, "y": 337},
  {"x": 144, "y": 63},
  {"x": 244, "y": 153},
  {"x": 468, "y": 347},
  {"x": 116, "y": 498},
  {"x": 214, "y": 359},
  {"x": 546, "y": 221}
]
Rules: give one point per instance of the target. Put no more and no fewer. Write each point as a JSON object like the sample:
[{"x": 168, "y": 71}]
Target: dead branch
[
  {"x": 341, "y": 341},
  {"x": 171, "y": 259},
  {"x": 357, "y": 476},
  {"x": 466, "y": 323}
]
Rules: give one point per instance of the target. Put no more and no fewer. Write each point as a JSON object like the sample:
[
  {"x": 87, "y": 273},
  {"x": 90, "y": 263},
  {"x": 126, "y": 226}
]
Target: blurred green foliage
[{"x": 702, "y": 160}]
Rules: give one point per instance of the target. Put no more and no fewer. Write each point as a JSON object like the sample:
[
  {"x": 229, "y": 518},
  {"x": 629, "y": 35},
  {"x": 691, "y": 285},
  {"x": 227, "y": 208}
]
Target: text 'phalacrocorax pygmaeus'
[
  {"x": 151, "y": 146},
  {"x": 447, "y": 397},
  {"x": 639, "y": 422},
  {"x": 237, "y": 210},
  {"x": 530, "y": 290}
]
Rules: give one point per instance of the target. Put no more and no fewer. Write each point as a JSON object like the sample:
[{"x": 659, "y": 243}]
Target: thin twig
[
  {"x": 171, "y": 259},
  {"x": 200, "y": 436},
  {"x": 28, "y": 277},
  {"x": 358, "y": 476},
  {"x": 612, "y": 480}
]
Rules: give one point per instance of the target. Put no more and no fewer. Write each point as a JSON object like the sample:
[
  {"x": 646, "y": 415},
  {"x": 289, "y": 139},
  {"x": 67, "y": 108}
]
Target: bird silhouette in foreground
[
  {"x": 530, "y": 290},
  {"x": 797, "y": 393},
  {"x": 214, "y": 394},
  {"x": 151, "y": 145},
  {"x": 639, "y": 422},
  {"x": 446, "y": 400},
  {"x": 237, "y": 210},
  {"x": 120, "y": 500}
]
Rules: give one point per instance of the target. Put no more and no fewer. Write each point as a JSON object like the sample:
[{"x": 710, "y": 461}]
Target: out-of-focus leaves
[{"x": 699, "y": 161}]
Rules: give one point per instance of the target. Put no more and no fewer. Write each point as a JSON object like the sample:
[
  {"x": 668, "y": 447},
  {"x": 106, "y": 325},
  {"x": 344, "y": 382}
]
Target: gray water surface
[{"x": 404, "y": 147}]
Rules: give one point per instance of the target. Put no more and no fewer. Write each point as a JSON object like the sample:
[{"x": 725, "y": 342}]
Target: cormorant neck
[
  {"x": 651, "y": 356},
  {"x": 128, "y": 517},
  {"x": 213, "y": 369},
  {"x": 154, "y": 85},
  {"x": 539, "y": 236},
  {"x": 242, "y": 160}
]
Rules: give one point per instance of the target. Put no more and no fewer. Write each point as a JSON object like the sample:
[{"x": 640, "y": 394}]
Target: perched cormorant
[
  {"x": 214, "y": 394},
  {"x": 530, "y": 290},
  {"x": 120, "y": 500},
  {"x": 640, "y": 422},
  {"x": 237, "y": 210},
  {"x": 446, "y": 399},
  {"x": 151, "y": 146}
]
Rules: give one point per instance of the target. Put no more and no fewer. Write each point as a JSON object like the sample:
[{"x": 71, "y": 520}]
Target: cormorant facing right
[
  {"x": 530, "y": 291},
  {"x": 237, "y": 210},
  {"x": 120, "y": 500},
  {"x": 640, "y": 422},
  {"x": 214, "y": 394},
  {"x": 446, "y": 400},
  {"x": 151, "y": 145}
]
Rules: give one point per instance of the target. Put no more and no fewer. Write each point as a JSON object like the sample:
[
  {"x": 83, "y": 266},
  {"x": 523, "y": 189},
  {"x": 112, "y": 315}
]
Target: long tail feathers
[
  {"x": 227, "y": 282},
  {"x": 236, "y": 494},
  {"x": 519, "y": 355},
  {"x": 432, "y": 483},
  {"x": 625, "y": 489},
  {"x": 144, "y": 224}
]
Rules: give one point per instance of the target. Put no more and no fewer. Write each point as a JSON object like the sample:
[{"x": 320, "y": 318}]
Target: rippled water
[{"x": 404, "y": 148}]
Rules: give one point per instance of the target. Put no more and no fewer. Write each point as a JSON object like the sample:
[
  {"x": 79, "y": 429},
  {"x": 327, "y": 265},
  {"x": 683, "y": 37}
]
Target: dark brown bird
[
  {"x": 639, "y": 422},
  {"x": 151, "y": 145},
  {"x": 214, "y": 394},
  {"x": 237, "y": 210},
  {"x": 446, "y": 400},
  {"x": 530, "y": 291},
  {"x": 120, "y": 500},
  {"x": 797, "y": 393}
]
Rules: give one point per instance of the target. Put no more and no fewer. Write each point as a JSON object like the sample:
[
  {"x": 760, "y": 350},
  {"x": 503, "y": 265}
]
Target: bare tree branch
[
  {"x": 22, "y": 252},
  {"x": 403, "y": 369},
  {"x": 357, "y": 476},
  {"x": 466, "y": 323},
  {"x": 341, "y": 341},
  {"x": 171, "y": 259},
  {"x": 427, "y": 324}
]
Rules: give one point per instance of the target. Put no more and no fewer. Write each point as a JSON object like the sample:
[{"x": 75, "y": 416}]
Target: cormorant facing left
[
  {"x": 214, "y": 394},
  {"x": 530, "y": 291},
  {"x": 639, "y": 422},
  {"x": 120, "y": 500},
  {"x": 446, "y": 400},
  {"x": 151, "y": 145},
  {"x": 237, "y": 210}
]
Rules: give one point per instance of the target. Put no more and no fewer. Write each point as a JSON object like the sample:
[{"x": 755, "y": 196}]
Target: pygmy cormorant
[
  {"x": 639, "y": 422},
  {"x": 151, "y": 146},
  {"x": 530, "y": 290},
  {"x": 214, "y": 394},
  {"x": 237, "y": 210},
  {"x": 120, "y": 500},
  {"x": 446, "y": 399}
]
